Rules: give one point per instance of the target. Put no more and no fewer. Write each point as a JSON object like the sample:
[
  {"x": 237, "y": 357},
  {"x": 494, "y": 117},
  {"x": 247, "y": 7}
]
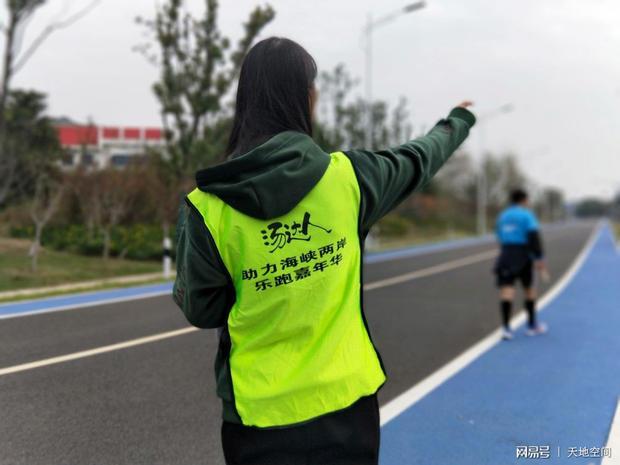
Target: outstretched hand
[
  {"x": 465, "y": 104},
  {"x": 541, "y": 267}
]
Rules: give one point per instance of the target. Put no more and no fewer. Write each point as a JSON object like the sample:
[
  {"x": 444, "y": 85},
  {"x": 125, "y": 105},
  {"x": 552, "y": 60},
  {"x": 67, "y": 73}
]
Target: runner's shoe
[
  {"x": 541, "y": 328},
  {"x": 507, "y": 335}
]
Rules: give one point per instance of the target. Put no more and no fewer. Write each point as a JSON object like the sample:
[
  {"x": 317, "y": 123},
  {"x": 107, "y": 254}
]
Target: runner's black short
[{"x": 514, "y": 264}]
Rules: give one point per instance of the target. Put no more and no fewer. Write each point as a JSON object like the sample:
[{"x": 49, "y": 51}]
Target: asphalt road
[{"x": 155, "y": 403}]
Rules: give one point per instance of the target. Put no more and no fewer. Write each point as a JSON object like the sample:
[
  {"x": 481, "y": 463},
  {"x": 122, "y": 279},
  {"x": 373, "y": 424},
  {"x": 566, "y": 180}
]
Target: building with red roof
[{"x": 99, "y": 147}]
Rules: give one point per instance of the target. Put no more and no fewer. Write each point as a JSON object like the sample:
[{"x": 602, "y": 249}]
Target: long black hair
[{"x": 273, "y": 96}]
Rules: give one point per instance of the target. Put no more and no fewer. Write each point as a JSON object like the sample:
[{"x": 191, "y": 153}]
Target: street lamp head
[{"x": 414, "y": 7}]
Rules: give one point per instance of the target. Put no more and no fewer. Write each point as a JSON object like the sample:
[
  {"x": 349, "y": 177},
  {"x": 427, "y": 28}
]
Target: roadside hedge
[{"x": 136, "y": 242}]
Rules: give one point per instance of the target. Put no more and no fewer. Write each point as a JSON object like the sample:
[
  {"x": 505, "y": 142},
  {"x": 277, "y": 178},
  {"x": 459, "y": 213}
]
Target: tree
[
  {"x": 615, "y": 207},
  {"x": 400, "y": 129},
  {"x": 118, "y": 191},
  {"x": 592, "y": 208},
  {"x": 31, "y": 141},
  {"x": 456, "y": 187},
  {"x": 197, "y": 71},
  {"x": 165, "y": 192},
  {"x": 19, "y": 13},
  {"x": 85, "y": 186},
  {"x": 48, "y": 193},
  {"x": 335, "y": 88},
  {"x": 109, "y": 197},
  {"x": 502, "y": 174},
  {"x": 342, "y": 122},
  {"x": 551, "y": 204},
  {"x": 31, "y": 135}
]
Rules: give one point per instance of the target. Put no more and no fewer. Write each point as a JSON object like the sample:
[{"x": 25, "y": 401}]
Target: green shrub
[
  {"x": 393, "y": 225},
  {"x": 136, "y": 242}
]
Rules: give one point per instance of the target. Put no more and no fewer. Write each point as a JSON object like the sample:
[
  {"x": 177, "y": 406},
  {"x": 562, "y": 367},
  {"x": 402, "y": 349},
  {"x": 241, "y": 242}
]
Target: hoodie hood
[{"x": 270, "y": 180}]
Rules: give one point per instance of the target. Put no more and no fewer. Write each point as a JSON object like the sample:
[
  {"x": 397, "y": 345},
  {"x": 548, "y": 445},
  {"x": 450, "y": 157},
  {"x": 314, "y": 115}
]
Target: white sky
[{"x": 557, "y": 62}]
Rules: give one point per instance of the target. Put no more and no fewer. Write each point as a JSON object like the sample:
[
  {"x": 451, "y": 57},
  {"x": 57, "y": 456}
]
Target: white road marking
[
  {"x": 147, "y": 295},
  {"x": 95, "y": 351},
  {"x": 408, "y": 398},
  {"x": 436, "y": 269},
  {"x": 613, "y": 440},
  {"x": 113, "y": 300}
]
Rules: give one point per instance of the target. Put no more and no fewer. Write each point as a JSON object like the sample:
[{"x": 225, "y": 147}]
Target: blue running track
[
  {"x": 83, "y": 299},
  {"x": 558, "y": 390}
]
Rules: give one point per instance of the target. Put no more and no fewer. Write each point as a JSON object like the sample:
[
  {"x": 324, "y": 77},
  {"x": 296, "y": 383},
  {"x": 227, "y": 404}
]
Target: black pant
[
  {"x": 346, "y": 437},
  {"x": 514, "y": 263}
]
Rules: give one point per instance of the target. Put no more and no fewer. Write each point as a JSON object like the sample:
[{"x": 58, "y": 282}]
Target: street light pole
[
  {"x": 481, "y": 201},
  {"x": 371, "y": 25},
  {"x": 482, "y": 182},
  {"x": 369, "y": 118}
]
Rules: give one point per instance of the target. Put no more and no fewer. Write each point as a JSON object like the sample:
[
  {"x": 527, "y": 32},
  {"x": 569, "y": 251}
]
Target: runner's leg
[
  {"x": 506, "y": 295},
  {"x": 529, "y": 288}
]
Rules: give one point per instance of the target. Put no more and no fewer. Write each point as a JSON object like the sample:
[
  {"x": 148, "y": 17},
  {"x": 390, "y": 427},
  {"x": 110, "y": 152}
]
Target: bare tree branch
[{"x": 61, "y": 24}]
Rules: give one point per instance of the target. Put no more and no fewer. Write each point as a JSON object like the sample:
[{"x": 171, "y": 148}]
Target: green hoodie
[{"x": 270, "y": 181}]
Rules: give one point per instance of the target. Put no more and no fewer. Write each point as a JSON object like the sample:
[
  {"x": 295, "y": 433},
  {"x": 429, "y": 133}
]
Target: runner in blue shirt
[{"x": 518, "y": 234}]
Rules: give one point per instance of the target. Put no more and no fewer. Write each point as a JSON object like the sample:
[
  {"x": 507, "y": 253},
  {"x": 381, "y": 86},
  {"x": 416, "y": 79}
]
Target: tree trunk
[
  {"x": 7, "y": 71},
  {"x": 106, "y": 243},
  {"x": 36, "y": 247},
  {"x": 166, "y": 229},
  {"x": 90, "y": 227},
  {"x": 7, "y": 171},
  {"x": 6, "y": 174}
]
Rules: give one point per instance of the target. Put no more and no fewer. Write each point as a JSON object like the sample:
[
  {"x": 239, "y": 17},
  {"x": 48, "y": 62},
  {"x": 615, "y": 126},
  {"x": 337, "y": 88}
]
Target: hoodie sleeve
[
  {"x": 203, "y": 289},
  {"x": 386, "y": 177}
]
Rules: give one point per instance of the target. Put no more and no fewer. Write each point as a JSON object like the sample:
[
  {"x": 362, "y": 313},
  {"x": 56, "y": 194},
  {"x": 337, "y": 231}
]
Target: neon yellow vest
[{"x": 300, "y": 348}]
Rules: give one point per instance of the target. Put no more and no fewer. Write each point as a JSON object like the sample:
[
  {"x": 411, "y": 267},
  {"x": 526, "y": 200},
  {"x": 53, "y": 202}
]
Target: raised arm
[{"x": 386, "y": 177}]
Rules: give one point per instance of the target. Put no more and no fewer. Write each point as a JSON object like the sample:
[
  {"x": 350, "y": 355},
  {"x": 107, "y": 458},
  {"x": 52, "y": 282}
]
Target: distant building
[{"x": 100, "y": 147}]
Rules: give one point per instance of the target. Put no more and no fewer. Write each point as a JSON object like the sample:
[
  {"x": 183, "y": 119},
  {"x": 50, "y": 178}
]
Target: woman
[{"x": 270, "y": 250}]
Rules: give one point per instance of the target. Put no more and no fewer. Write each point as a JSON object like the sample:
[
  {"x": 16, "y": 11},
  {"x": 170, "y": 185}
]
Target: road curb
[{"x": 84, "y": 285}]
